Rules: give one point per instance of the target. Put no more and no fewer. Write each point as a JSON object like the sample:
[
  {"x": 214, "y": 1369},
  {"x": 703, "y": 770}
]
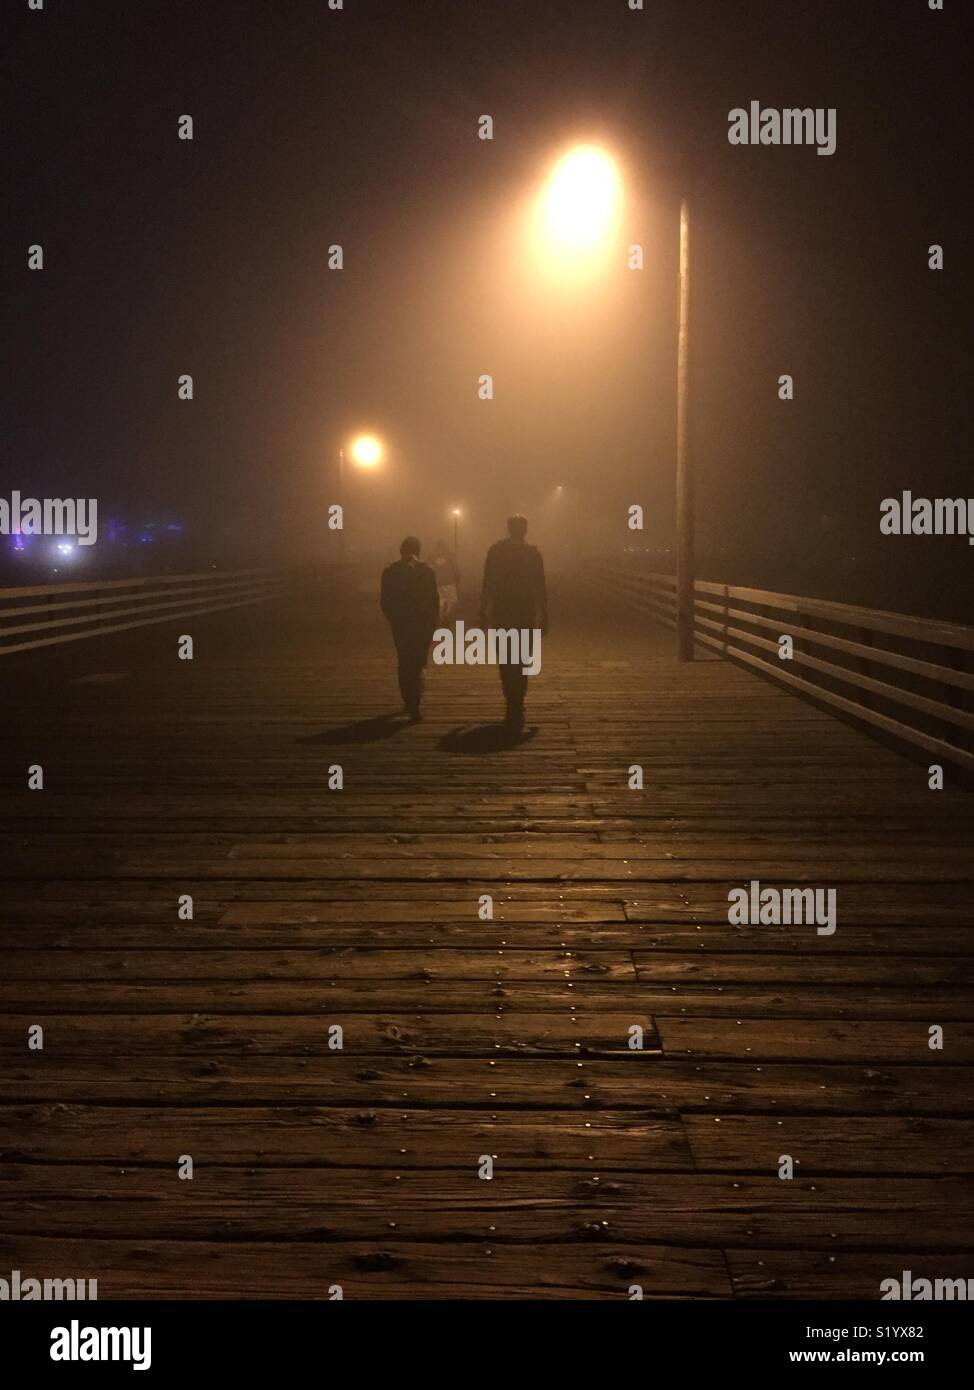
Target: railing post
[
  {"x": 865, "y": 666},
  {"x": 726, "y": 597}
]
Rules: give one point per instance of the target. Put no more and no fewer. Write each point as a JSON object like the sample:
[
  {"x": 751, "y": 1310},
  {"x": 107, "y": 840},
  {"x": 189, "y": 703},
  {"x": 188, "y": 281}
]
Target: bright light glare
[
  {"x": 366, "y": 451},
  {"x": 581, "y": 199},
  {"x": 456, "y": 511}
]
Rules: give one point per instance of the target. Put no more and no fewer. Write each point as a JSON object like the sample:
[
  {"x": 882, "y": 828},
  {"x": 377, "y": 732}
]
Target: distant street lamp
[
  {"x": 366, "y": 451},
  {"x": 577, "y": 214}
]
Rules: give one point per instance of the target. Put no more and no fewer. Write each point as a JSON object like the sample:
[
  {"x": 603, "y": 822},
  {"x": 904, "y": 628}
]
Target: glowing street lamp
[
  {"x": 581, "y": 199},
  {"x": 366, "y": 451}
]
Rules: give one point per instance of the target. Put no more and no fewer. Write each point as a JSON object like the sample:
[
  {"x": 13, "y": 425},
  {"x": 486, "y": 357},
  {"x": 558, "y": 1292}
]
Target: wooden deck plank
[
  {"x": 812, "y": 1274},
  {"x": 367, "y": 1138},
  {"x": 828, "y": 1040},
  {"x": 840, "y": 1144},
  {"x": 516, "y": 1000},
  {"x": 151, "y": 1269},
  {"x": 517, "y": 1206},
  {"x": 364, "y": 1034},
  {"x": 505, "y": 963},
  {"x": 651, "y": 1081},
  {"x": 146, "y": 929}
]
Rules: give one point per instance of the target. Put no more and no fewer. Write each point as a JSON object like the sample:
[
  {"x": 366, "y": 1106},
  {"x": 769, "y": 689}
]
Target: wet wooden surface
[{"x": 464, "y": 1037}]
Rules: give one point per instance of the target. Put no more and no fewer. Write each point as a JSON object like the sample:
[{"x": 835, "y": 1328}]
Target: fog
[{"x": 212, "y": 258}]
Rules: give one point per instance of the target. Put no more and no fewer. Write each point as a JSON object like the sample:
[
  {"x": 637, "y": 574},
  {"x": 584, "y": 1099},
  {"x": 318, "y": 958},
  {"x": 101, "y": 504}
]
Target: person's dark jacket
[
  {"x": 514, "y": 592},
  {"x": 409, "y": 597}
]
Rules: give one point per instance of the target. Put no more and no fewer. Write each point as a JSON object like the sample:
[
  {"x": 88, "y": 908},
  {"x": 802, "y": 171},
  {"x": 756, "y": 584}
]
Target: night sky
[{"x": 359, "y": 127}]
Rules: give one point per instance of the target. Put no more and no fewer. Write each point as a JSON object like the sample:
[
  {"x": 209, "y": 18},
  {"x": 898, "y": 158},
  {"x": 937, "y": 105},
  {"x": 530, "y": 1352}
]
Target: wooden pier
[{"x": 615, "y": 1167}]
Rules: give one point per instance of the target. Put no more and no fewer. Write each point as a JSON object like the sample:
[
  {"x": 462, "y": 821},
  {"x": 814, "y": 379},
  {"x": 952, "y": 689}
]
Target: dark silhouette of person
[
  {"x": 514, "y": 595},
  {"x": 411, "y": 604},
  {"x": 447, "y": 578}
]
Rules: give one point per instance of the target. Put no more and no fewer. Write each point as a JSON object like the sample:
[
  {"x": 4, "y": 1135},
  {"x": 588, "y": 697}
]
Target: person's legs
[
  {"x": 405, "y": 670},
  {"x": 513, "y": 679},
  {"x": 514, "y": 685},
  {"x": 412, "y": 659},
  {"x": 417, "y": 685},
  {"x": 405, "y": 678}
]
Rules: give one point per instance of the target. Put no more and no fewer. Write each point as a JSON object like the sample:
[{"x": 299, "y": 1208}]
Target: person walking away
[
  {"x": 447, "y": 579},
  {"x": 409, "y": 599},
  {"x": 514, "y": 595}
]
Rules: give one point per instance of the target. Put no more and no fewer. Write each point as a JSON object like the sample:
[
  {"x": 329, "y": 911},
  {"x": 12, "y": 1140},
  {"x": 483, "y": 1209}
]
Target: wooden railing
[
  {"x": 42, "y": 615},
  {"x": 911, "y": 678}
]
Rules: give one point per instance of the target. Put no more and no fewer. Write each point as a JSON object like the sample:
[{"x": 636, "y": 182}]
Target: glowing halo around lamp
[
  {"x": 366, "y": 451},
  {"x": 576, "y": 214},
  {"x": 581, "y": 197}
]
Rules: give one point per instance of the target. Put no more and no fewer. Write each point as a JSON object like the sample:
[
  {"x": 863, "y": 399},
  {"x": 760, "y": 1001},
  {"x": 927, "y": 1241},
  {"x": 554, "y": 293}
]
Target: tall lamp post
[
  {"x": 578, "y": 214},
  {"x": 684, "y": 474},
  {"x": 456, "y": 538}
]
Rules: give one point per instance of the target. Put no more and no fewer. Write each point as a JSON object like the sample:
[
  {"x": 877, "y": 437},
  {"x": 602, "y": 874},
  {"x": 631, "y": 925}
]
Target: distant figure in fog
[
  {"x": 447, "y": 578},
  {"x": 514, "y": 595},
  {"x": 411, "y": 604}
]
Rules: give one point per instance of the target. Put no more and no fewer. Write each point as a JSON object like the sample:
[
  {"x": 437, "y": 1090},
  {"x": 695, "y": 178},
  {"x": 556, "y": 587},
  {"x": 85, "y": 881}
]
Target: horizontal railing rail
[
  {"x": 909, "y": 677},
  {"x": 43, "y": 615}
]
